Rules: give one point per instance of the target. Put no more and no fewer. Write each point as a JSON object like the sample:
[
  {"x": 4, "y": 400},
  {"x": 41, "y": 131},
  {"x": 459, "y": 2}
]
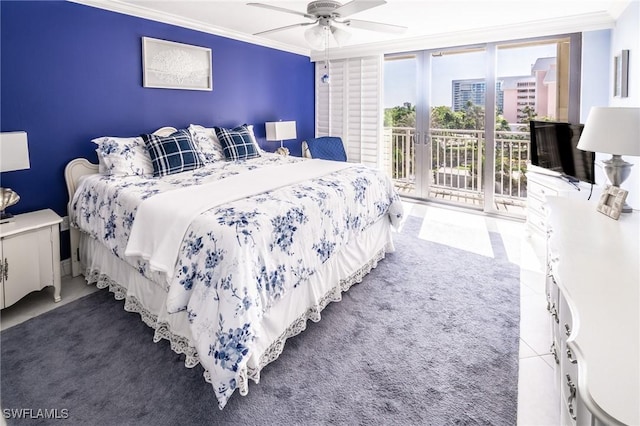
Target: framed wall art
[
  {"x": 621, "y": 74},
  {"x": 611, "y": 201},
  {"x": 171, "y": 65}
]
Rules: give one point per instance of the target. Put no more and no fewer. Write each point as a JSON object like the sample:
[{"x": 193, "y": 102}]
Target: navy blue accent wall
[{"x": 71, "y": 73}]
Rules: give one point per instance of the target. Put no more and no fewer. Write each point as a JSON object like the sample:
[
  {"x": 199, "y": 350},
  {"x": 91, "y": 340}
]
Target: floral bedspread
[{"x": 237, "y": 260}]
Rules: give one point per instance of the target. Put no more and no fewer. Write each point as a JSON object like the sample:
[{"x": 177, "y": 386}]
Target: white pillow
[
  {"x": 124, "y": 156},
  {"x": 206, "y": 143},
  {"x": 102, "y": 168},
  {"x": 209, "y": 145},
  {"x": 253, "y": 138}
]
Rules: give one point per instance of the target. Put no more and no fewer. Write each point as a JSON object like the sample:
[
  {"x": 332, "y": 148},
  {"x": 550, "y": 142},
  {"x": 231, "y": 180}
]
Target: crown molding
[
  {"x": 167, "y": 18},
  {"x": 549, "y": 27}
]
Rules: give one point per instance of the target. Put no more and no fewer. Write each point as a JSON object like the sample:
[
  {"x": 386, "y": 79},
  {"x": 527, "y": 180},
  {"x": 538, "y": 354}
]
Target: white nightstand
[{"x": 29, "y": 255}]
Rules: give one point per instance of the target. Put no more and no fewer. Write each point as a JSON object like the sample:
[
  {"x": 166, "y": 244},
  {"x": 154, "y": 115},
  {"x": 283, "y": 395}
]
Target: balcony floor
[{"x": 503, "y": 205}]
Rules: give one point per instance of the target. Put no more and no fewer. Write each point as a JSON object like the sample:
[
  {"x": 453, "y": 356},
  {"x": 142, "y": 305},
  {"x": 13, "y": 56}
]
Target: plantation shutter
[
  {"x": 330, "y": 100},
  {"x": 350, "y": 106}
]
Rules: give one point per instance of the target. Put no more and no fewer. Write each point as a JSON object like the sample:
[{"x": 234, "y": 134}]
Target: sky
[{"x": 400, "y": 75}]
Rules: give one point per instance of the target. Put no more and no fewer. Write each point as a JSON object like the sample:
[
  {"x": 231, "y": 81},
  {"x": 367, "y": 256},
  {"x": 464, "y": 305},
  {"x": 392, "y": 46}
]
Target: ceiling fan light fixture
[
  {"x": 315, "y": 37},
  {"x": 326, "y": 13},
  {"x": 341, "y": 36}
]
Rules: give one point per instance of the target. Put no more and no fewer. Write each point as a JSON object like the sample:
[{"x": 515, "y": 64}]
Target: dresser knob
[
  {"x": 554, "y": 351},
  {"x": 572, "y": 397},
  {"x": 554, "y": 313}
]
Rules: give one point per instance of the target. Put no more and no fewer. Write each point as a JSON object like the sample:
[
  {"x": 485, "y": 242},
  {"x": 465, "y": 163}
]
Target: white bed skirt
[{"x": 286, "y": 319}]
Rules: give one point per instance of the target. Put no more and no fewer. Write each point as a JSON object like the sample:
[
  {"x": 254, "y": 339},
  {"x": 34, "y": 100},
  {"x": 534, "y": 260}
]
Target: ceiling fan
[{"x": 325, "y": 14}]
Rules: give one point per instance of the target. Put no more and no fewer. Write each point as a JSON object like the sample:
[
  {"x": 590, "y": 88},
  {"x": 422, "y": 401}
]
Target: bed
[{"x": 229, "y": 259}]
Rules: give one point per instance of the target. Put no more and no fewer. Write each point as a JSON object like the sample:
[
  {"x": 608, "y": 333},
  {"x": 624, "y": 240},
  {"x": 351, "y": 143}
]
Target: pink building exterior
[
  {"x": 537, "y": 91},
  {"x": 544, "y": 71},
  {"x": 518, "y": 92}
]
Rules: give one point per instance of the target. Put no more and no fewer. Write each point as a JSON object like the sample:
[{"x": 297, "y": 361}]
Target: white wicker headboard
[{"x": 74, "y": 170}]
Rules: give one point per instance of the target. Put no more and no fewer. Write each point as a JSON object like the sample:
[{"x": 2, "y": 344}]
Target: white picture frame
[
  {"x": 172, "y": 65},
  {"x": 621, "y": 74},
  {"x": 611, "y": 201}
]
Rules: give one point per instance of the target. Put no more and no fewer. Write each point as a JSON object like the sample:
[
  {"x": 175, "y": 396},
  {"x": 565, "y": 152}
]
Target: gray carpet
[{"x": 429, "y": 337}]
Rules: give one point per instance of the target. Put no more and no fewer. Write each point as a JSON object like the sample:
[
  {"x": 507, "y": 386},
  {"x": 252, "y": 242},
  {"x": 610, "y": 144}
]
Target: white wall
[
  {"x": 598, "y": 51},
  {"x": 626, "y": 35},
  {"x": 595, "y": 87},
  {"x": 596, "y": 71}
]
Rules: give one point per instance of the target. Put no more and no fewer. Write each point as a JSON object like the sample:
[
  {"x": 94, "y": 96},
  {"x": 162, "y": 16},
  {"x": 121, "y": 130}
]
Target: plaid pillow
[
  {"x": 237, "y": 143},
  {"x": 172, "y": 154}
]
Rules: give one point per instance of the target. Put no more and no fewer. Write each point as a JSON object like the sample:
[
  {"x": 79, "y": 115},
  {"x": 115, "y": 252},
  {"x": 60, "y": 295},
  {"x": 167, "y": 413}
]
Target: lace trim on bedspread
[{"x": 180, "y": 344}]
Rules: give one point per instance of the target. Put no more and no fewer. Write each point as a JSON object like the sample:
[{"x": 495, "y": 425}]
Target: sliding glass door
[
  {"x": 456, "y": 120},
  {"x": 434, "y": 122},
  {"x": 456, "y": 135},
  {"x": 537, "y": 80},
  {"x": 400, "y": 125}
]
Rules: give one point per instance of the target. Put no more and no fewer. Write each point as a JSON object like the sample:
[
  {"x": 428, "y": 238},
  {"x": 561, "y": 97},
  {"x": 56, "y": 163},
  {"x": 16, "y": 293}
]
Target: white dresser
[
  {"x": 593, "y": 282},
  {"x": 539, "y": 187}
]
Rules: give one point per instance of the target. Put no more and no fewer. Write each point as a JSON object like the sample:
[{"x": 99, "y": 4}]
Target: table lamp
[
  {"x": 616, "y": 131},
  {"x": 14, "y": 155},
  {"x": 279, "y": 131}
]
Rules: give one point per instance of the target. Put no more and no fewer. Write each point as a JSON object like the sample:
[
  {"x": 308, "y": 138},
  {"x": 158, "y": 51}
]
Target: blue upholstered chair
[{"x": 324, "y": 147}]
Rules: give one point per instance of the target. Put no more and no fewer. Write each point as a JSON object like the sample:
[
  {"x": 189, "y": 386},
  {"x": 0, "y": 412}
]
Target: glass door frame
[{"x": 423, "y": 125}]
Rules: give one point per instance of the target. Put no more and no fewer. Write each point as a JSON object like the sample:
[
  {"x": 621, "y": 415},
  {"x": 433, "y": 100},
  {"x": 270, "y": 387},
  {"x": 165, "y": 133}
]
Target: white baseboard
[{"x": 65, "y": 267}]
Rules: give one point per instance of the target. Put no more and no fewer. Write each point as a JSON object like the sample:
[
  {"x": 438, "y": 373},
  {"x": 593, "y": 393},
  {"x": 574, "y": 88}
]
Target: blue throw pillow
[
  {"x": 171, "y": 154},
  {"x": 237, "y": 143}
]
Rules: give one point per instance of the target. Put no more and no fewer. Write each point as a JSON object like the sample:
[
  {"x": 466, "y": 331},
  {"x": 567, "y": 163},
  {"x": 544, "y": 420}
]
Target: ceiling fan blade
[
  {"x": 375, "y": 26},
  {"x": 356, "y": 6},
  {"x": 281, "y": 9},
  {"x": 302, "y": 24}
]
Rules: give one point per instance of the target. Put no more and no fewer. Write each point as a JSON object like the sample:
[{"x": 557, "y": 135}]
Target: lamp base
[
  {"x": 282, "y": 151},
  {"x": 617, "y": 171},
  {"x": 6, "y": 217},
  {"x": 8, "y": 198}
]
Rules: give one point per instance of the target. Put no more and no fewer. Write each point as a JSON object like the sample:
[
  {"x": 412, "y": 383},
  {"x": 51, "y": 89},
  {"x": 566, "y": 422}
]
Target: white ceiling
[{"x": 438, "y": 21}]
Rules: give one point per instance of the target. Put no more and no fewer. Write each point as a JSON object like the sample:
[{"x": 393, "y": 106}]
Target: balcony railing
[{"x": 457, "y": 160}]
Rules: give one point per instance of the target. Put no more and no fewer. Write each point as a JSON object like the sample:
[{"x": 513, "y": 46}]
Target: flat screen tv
[{"x": 554, "y": 151}]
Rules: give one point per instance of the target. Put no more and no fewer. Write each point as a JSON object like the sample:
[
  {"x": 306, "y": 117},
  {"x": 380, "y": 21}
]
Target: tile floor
[{"x": 538, "y": 402}]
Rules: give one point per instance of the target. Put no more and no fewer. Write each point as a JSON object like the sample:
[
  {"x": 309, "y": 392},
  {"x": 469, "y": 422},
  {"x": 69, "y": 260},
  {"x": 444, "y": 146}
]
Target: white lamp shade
[
  {"x": 612, "y": 130},
  {"x": 281, "y": 130},
  {"x": 14, "y": 151}
]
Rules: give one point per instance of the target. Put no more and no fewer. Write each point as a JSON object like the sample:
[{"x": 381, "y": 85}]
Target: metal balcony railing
[{"x": 457, "y": 160}]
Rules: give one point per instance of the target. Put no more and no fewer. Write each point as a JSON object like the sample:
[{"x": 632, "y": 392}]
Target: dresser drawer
[
  {"x": 568, "y": 361},
  {"x": 566, "y": 319},
  {"x": 536, "y": 205},
  {"x": 537, "y": 221},
  {"x": 536, "y": 190}
]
